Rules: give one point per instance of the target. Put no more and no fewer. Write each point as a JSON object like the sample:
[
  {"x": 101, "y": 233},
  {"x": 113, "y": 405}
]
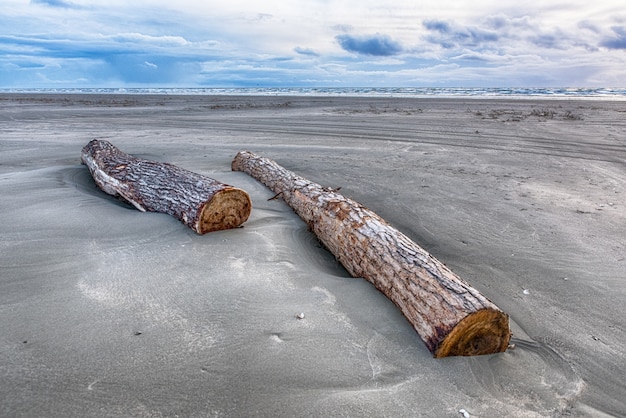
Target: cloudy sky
[{"x": 242, "y": 43}]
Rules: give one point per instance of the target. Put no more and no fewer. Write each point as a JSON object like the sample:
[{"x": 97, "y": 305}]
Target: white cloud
[{"x": 139, "y": 38}]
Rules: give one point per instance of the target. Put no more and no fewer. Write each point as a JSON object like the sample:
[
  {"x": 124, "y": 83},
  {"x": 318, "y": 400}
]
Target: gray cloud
[
  {"x": 448, "y": 35},
  {"x": 377, "y": 45},
  {"x": 546, "y": 41},
  {"x": 618, "y": 41},
  {"x": 306, "y": 51},
  {"x": 438, "y": 26}
]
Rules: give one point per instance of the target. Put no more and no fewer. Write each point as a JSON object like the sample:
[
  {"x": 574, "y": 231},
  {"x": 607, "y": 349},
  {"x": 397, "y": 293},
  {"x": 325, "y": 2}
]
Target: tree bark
[
  {"x": 200, "y": 202},
  {"x": 450, "y": 316}
]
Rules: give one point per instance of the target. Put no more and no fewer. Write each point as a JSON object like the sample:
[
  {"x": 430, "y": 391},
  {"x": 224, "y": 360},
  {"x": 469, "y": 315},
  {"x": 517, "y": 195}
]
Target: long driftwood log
[
  {"x": 200, "y": 202},
  {"x": 450, "y": 316}
]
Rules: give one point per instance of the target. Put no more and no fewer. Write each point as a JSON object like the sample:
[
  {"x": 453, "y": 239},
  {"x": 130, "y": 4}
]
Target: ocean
[{"x": 510, "y": 92}]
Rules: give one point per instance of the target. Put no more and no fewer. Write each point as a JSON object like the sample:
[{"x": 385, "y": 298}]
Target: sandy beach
[{"x": 108, "y": 311}]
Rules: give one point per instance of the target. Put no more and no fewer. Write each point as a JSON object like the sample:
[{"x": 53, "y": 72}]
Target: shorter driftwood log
[
  {"x": 200, "y": 202},
  {"x": 450, "y": 316}
]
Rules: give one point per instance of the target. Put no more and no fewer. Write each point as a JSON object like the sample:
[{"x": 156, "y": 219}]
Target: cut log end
[
  {"x": 227, "y": 209},
  {"x": 482, "y": 332}
]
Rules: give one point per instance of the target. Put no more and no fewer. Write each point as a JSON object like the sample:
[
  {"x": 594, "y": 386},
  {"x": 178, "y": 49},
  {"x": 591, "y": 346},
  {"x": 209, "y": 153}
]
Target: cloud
[
  {"x": 274, "y": 43},
  {"x": 139, "y": 38},
  {"x": 546, "y": 41},
  {"x": 618, "y": 41},
  {"x": 306, "y": 51},
  {"x": 56, "y": 3},
  {"x": 585, "y": 24},
  {"x": 264, "y": 16},
  {"x": 377, "y": 45},
  {"x": 438, "y": 26},
  {"x": 102, "y": 46},
  {"x": 449, "y": 35},
  {"x": 342, "y": 28}
]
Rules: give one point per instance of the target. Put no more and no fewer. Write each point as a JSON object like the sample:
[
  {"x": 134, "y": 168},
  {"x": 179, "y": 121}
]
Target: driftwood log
[
  {"x": 200, "y": 202},
  {"x": 450, "y": 316}
]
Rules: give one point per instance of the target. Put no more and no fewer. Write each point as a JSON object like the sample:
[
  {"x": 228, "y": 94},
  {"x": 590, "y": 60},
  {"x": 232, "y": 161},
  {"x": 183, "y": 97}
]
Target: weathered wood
[
  {"x": 200, "y": 202},
  {"x": 451, "y": 317}
]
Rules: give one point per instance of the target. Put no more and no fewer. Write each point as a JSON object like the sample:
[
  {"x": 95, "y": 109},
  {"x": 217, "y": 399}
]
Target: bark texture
[
  {"x": 200, "y": 202},
  {"x": 450, "y": 316}
]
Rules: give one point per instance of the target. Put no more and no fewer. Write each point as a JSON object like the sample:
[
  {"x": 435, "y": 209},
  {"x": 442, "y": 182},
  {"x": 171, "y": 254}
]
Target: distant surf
[{"x": 510, "y": 92}]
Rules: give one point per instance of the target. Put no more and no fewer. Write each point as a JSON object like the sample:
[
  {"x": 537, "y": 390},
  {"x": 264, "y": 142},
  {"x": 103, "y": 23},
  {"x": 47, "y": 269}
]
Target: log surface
[
  {"x": 200, "y": 202},
  {"x": 450, "y": 316}
]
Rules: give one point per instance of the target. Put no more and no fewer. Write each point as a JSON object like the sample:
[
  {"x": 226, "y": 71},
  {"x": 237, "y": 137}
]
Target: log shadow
[{"x": 78, "y": 177}]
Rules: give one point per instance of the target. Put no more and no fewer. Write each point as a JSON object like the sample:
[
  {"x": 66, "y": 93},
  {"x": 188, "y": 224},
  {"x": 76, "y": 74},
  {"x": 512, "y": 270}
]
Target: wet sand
[{"x": 107, "y": 311}]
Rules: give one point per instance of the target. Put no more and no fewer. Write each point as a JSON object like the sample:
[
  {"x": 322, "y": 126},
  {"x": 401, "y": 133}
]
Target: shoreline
[{"x": 370, "y": 92}]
